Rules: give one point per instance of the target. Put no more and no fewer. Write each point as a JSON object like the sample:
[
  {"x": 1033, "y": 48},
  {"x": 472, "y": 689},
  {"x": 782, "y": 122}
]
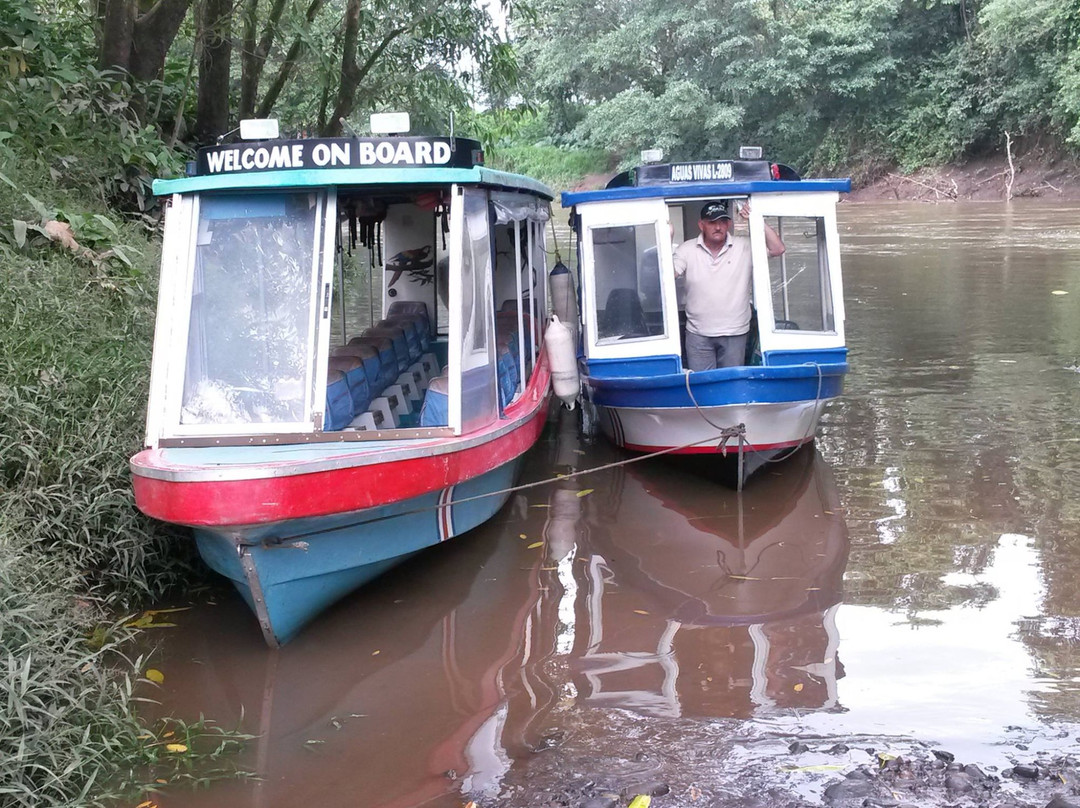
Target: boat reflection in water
[
  {"x": 654, "y": 591},
  {"x": 707, "y": 603}
]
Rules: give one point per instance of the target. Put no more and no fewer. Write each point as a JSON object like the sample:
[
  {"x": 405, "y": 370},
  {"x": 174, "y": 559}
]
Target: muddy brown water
[{"x": 913, "y": 582}]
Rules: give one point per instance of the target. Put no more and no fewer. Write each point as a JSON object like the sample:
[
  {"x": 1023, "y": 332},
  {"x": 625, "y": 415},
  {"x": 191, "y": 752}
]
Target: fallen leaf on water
[
  {"x": 470, "y": 804},
  {"x": 1059, "y": 292},
  {"x": 376, "y": 652},
  {"x": 641, "y": 801},
  {"x": 147, "y": 804},
  {"x": 154, "y": 675},
  {"x": 534, "y": 545},
  {"x": 584, "y": 493},
  {"x": 522, "y": 536},
  {"x": 640, "y": 611},
  {"x": 159, "y": 780},
  {"x": 798, "y": 688},
  {"x": 176, "y": 747},
  {"x": 168, "y": 734}
]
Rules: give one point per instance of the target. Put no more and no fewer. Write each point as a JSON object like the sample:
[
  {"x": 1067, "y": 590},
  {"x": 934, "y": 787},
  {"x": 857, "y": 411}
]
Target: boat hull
[
  {"x": 737, "y": 420},
  {"x": 315, "y": 562},
  {"x": 296, "y": 528}
]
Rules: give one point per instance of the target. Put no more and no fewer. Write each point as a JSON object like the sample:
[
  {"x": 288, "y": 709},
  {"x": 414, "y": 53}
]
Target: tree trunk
[
  {"x": 153, "y": 36},
  {"x": 118, "y": 24},
  {"x": 289, "y": 65},
  {"x": 352, "y": 73},
  {"x": 212, "y": 116},
  {"x": 254, "y": 57}
]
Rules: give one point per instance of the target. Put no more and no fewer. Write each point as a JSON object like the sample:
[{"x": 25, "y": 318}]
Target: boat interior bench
[{"x": 378, "y": 379}]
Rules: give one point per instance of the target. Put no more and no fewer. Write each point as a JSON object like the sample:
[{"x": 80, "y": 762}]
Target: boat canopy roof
[
  {"x": 704, "y": 179},
  {"x": 319, "y": 162}
]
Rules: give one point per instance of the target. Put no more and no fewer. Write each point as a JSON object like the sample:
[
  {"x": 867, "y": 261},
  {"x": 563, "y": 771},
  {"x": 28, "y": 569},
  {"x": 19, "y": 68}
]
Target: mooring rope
[
  {"x": 723, "y": 434},
  {"x": 512, "y": 489}
]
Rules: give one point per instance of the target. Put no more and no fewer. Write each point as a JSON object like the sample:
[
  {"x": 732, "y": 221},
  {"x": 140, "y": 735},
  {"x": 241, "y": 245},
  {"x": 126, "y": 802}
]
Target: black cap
[{"x": 712, "y": 211}]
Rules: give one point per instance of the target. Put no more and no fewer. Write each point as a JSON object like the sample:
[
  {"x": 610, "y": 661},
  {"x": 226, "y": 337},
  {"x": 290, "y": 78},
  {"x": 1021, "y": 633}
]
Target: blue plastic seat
[
  {"x": 397, "y": 337},
  {"x": 339, "y": 405},
  {"x": 356, "y": 378},
  {"x": 436, "y": 408}
]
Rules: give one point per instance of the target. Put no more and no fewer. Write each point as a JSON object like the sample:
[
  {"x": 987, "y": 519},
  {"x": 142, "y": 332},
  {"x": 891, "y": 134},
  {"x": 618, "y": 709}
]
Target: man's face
[{"x": 714, "y": 233}]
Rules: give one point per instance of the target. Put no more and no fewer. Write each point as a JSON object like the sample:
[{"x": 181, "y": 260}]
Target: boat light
[
  {"x": 750, "y": 152},
  {"x": 652, "y": 155},
  {"x": 259, "y": 129},
  {"x": 390, "y": 123}
]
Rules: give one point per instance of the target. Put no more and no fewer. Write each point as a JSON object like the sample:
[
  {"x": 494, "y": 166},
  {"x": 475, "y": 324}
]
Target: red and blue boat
[
  {"x": 633, "y": 312},
  {"x": 348, "y": 361}
]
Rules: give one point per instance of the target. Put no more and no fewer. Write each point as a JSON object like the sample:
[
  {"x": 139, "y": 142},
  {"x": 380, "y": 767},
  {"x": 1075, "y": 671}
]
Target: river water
[{"x": 911, "y": 583}]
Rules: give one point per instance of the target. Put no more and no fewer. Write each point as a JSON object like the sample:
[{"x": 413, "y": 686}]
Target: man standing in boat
[{"x": 716, "y": 271}]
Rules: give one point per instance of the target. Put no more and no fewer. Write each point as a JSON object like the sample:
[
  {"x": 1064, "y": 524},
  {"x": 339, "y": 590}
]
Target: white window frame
[
  {"x": 176, "y": 243},
  {"x": 455, "y": 354},
  {"x": 628, "y": 214},
  {"x": 172, "y": 387},
  {"x": 821, "y": 205}
]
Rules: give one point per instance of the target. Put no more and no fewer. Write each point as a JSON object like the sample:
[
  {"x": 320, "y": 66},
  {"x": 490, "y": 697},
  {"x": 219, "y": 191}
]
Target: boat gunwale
[{"x": 701, "y": 378}]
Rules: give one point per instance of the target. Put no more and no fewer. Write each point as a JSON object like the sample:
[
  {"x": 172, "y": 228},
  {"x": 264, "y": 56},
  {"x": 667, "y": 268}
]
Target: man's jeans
[{"x": 706, "y": 353}]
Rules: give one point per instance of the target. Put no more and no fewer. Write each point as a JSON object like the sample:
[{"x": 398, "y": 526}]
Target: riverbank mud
[{"x": 1036, "y": 174}]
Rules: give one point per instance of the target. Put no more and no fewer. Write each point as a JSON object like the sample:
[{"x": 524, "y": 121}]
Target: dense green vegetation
[{"x": 850, "y": 85}]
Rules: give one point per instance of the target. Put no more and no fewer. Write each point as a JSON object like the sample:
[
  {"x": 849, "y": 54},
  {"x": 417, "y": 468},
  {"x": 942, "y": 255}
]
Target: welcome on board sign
[{"x": 339, "y": 153}]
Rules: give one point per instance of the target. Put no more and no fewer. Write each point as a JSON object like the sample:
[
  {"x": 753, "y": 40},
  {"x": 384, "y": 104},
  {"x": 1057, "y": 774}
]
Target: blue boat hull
[{"x": 292, "y": 571}]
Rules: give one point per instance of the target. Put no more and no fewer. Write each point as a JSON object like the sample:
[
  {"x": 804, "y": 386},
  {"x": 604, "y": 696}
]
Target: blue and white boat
[
  {"x": 347, "y": 358},
  {"x": 632, "y": 312}
]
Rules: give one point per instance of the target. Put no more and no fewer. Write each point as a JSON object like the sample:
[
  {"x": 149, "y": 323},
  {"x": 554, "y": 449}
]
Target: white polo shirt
[{"x": 717, "y": 289}]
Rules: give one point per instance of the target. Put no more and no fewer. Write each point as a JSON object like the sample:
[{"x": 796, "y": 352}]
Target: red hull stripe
[
  {"x": 732, "y": 447},
  {"x": 275, "y": 499}
]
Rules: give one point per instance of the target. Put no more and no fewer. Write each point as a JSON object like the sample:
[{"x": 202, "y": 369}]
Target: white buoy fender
[
  {"x": 562, "y": 357},
  {"x": 563, "y": 297}
]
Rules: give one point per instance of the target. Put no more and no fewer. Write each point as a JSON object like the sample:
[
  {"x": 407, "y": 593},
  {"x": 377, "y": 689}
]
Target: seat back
[{"x": 622, "y": 315}]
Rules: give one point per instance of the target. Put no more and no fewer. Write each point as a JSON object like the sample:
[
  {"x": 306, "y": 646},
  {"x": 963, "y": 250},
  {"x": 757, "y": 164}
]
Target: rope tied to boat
[
  {"x": 291, "y": 541},
  {"x": 738, "y": 431}
]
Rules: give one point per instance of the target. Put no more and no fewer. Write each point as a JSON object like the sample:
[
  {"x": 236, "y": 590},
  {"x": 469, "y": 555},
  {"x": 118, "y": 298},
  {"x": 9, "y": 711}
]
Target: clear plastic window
[
  {"x": 629, "y": 299},
  {"x": 799, "y": 278},
  {"x": 249, "y": 351},
  {"x": 479, "y": 403}
]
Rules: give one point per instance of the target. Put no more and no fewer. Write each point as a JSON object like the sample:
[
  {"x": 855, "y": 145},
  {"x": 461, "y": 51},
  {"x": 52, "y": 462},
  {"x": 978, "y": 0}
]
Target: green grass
[{"x": 75, "y": 553}]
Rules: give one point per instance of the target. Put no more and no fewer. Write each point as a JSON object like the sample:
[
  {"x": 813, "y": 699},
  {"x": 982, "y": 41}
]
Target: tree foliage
[{"x": 824, "y": 84}]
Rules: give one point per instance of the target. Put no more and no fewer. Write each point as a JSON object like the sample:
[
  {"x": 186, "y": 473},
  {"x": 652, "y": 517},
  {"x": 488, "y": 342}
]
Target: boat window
[
  {"x": 358, "y": 275},
  {"x": 478, "y": 382},
  {"x": 250, "y": 335},
  {"x": 626, "y": 268},
  {"x": 799, "y": 278}
]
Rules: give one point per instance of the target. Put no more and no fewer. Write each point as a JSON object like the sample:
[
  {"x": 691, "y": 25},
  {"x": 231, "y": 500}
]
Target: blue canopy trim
[
  {"x": 691, "y": 190},
  {"x": 318, "y": 178}
]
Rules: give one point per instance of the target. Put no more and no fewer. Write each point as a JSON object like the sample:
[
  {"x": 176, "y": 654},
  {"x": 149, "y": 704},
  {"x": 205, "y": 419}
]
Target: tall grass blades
[
  {"x": 73, "y": 375},
  {"x": 75, "y": 339}
]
